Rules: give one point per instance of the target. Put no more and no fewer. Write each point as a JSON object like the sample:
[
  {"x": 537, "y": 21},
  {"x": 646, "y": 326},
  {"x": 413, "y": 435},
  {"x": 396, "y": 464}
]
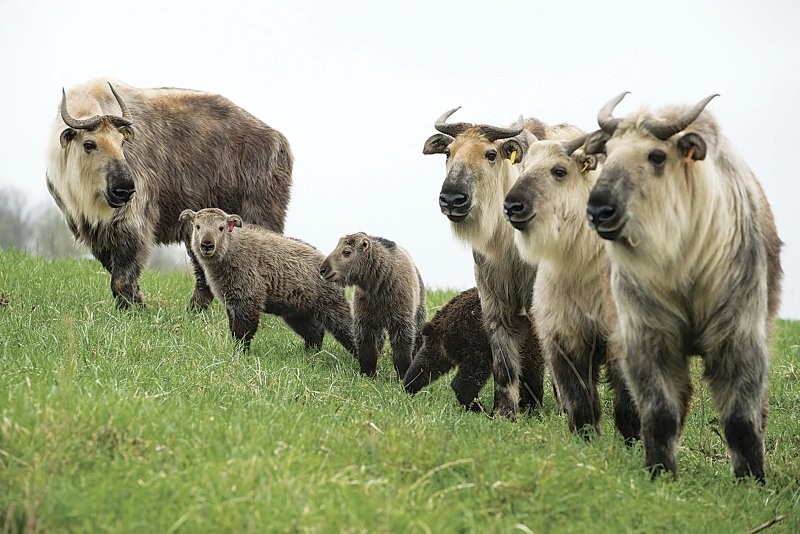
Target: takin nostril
[
  {"x": 601, "y": 214},
  {"x": 513, "y": 208},
  {"x": 453, "y": 200},
  {"x": 123, "y": 193},
  {"x": 207, "y": 245}
]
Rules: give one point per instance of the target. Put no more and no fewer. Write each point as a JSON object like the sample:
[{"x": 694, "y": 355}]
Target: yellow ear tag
[
  {"x": 513, "y": 157},
  {"x": 585, "y": 168}
]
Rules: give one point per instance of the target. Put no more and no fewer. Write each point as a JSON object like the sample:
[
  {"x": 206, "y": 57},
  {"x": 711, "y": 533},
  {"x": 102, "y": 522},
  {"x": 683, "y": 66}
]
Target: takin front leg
[
  {"x": 202, "y": 296},
  {"x": 369, "y": 342},
  {"x": 309, "y": 328},
  {"x": 532, "y": 386},
  {"x": 658, "y": 377},
  {"x": 472, "y": 375},
  {"x": 243, "y": 319},
  {"x": 126, "y": 259},
  {"x": 738, "y": 376},
  {"x": 401, "y": 338},
  {"x": 576, "y": 376},
  {"x": 506, "y": 370},
  {"x": 626, "y": 416}
]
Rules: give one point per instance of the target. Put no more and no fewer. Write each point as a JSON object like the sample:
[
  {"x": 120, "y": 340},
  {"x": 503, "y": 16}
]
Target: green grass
[{"x": 150, "y": 421}]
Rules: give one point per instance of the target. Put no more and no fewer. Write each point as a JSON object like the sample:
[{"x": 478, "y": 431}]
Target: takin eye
[
  {"x": 559, "y": 173},
  {"x": 491, "y": 155},
  {"x": 346, "y": 253},
  {"x": 657, "y": 158},
  {"x": 88, "y": 146},
  {"x": 221, "y": 228},
  {"x": 196, "y": 226}
]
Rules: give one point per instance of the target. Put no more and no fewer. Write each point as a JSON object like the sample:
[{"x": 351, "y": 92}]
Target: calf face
[
  {"x": 211, "y": 229},
  {"x": 342, "y": 265}
]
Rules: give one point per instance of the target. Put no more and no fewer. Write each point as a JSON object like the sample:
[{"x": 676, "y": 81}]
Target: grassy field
[{"x": 150, "y": 421}]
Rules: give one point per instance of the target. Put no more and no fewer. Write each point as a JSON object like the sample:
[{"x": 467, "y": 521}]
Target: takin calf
[
  {"x": 253, "y": 270},
  {"x": 455, "y": 337},
  {"x": 695, "y": 270},
  {"x": 389, "y": 294},
  {"x": 572, "y": 308}
]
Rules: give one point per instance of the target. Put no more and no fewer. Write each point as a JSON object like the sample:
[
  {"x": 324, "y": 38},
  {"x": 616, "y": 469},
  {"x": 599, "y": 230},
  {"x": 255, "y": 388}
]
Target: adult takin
[
  {"x": 695, "y": 259},
  {"x": 251, "y": 270},
  {"x": 455, "y": 338},
  {"x": 480, "y": 170},
  {"x": 124, "y": 161},
  {"x": 572, "y": 309},
  {"x": 389, "y": 295}
]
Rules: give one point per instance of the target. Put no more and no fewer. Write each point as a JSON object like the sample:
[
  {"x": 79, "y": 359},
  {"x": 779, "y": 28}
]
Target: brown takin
[
  {"x": 389, "y": 295},
  {"x": 455, "y": 337},
  {"x": 123, "y": 162},
  {"x": 572, "y": 309},
  {"x": 480, "y": 169},
  {"x": 252, "y": 270},
  {"x": 695, "y": 270}
]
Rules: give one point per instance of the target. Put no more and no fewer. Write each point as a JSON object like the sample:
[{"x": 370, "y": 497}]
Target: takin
[
  {"x": 695, "y": 270},
  {"x": 389, "y": 295}
]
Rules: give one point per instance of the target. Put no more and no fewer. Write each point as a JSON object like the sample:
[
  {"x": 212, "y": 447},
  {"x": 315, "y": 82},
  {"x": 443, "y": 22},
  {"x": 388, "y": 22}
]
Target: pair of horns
[
  {"x": 491, "y": 133},
  {"x": 661, "y": 128},
  {"x": 93, "y": 122}
]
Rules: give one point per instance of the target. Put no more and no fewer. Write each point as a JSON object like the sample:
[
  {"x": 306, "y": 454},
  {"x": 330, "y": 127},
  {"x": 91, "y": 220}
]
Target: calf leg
[
  {"x": 738, "y": 376},
  {"x": 401, "y": 337},
  {"x": 202, "y": 296},
  {"x": 532, "y": 386},
  {"x": 335, "y": 315},
  {"x": 626, "y": 416},
  {"x": 470, "y": 378},
  {"x": 243, "y": 319},
  {"x": 369, "y": 341},
  {"x": 309, "y": 328}
]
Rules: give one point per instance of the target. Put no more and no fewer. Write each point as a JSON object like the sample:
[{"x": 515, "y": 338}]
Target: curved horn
[
  {"x": 574, "y": 144},
  {"x": 453, "y": 129},
  {"x": 664, "y": 129},
  {"x": 608, "y": 123},
  {"x": 126, "y": 114},
  {"x": 79, "y": 124},
  {"x": 493, "y": 133}
]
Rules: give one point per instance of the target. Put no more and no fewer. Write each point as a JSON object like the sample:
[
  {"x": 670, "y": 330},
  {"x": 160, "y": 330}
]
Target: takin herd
[{"x": 631, "y": 248}]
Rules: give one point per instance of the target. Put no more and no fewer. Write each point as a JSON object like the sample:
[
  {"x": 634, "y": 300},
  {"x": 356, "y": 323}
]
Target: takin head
[
  {"x": 648, "y": 179},
  {"x": 95, "y": 144},
  {"x": 211, "y": 230},
  {"x": 348, "y": 259}
]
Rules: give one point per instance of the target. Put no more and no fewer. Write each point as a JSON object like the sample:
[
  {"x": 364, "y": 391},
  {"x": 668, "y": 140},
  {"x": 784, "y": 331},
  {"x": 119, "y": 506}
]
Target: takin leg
[
  {"x": 369, "y": 340},
  {"x": 127, "y": 259},
  {"x": 334, "y": 313},
  {"x": 243, "y": 319},
  {"x": 401, "y": 337},
  {"x": 658, "y": 377},
  {"x": 307, "y": 327},
  {"x": 506, "y": 370},
  {"x": 532, "y": 385},
  {"x": 626, "y": 416},
  {"x": 738, "y": 376},
  {"x": 576, "y": 376},
  {"x": 202, "y": 296},
  {"x": 472, "y": 375}
]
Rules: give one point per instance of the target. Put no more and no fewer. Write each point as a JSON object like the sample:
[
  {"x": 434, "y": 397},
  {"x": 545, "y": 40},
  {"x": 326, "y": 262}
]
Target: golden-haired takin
[{"x": 695, "y": 270}]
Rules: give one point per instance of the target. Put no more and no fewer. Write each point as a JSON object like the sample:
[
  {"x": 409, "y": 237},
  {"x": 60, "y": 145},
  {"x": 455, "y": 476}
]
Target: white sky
[{"x": 356, "y": 86}]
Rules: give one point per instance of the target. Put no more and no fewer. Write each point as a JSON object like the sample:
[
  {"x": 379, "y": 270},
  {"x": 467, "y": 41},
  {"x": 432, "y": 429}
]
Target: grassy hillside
[{"x": 150, "y": 421}]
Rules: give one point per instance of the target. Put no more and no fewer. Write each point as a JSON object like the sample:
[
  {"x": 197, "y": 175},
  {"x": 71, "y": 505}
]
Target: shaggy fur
[
  {"x": 389, "y": 294},
  {"x": 252, "y": 270},
  {"x": 455, "y": 338},
  {"x": 572, "y": 308},
  {"x": 482, "y": 172},
  {"x": 190, "y": 149},
  {"x": 695, "y": 271}
]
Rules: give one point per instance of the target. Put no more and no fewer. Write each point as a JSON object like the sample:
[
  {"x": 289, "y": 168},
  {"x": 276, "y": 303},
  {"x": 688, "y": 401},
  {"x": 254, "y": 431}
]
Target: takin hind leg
[
  {"x": 369, "y": 339},
  {"x": 738, "y": 375},
  {"x": 307, "y": 327},
  {"x": 402, "y": 337},
  {"x": 532, "y": 384},
  {"x": 334, "y": 313},
  {"x": 202, "y": 296}
]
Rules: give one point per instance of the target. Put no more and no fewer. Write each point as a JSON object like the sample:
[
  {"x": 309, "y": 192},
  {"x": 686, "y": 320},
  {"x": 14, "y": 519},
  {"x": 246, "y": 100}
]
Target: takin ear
[
  {"x": 596, "y": 142},
  {"x": 692, "y": 146},
  {"x": 512, "y": 150},
  {"x": 364, "y": 244},
  {"x": 187, "y": 215},
  {"x": 127, "y": 132},
  {"x": 585, "y": 162},
  {"x": 67, "y": 136},
  {"x": 437, "y": 144},
  {"x": 235, "y": 220}
]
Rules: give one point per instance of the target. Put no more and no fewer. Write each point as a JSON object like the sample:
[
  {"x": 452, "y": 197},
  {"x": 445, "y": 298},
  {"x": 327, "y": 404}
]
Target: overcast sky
[{"x": 356, "y": 86}]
